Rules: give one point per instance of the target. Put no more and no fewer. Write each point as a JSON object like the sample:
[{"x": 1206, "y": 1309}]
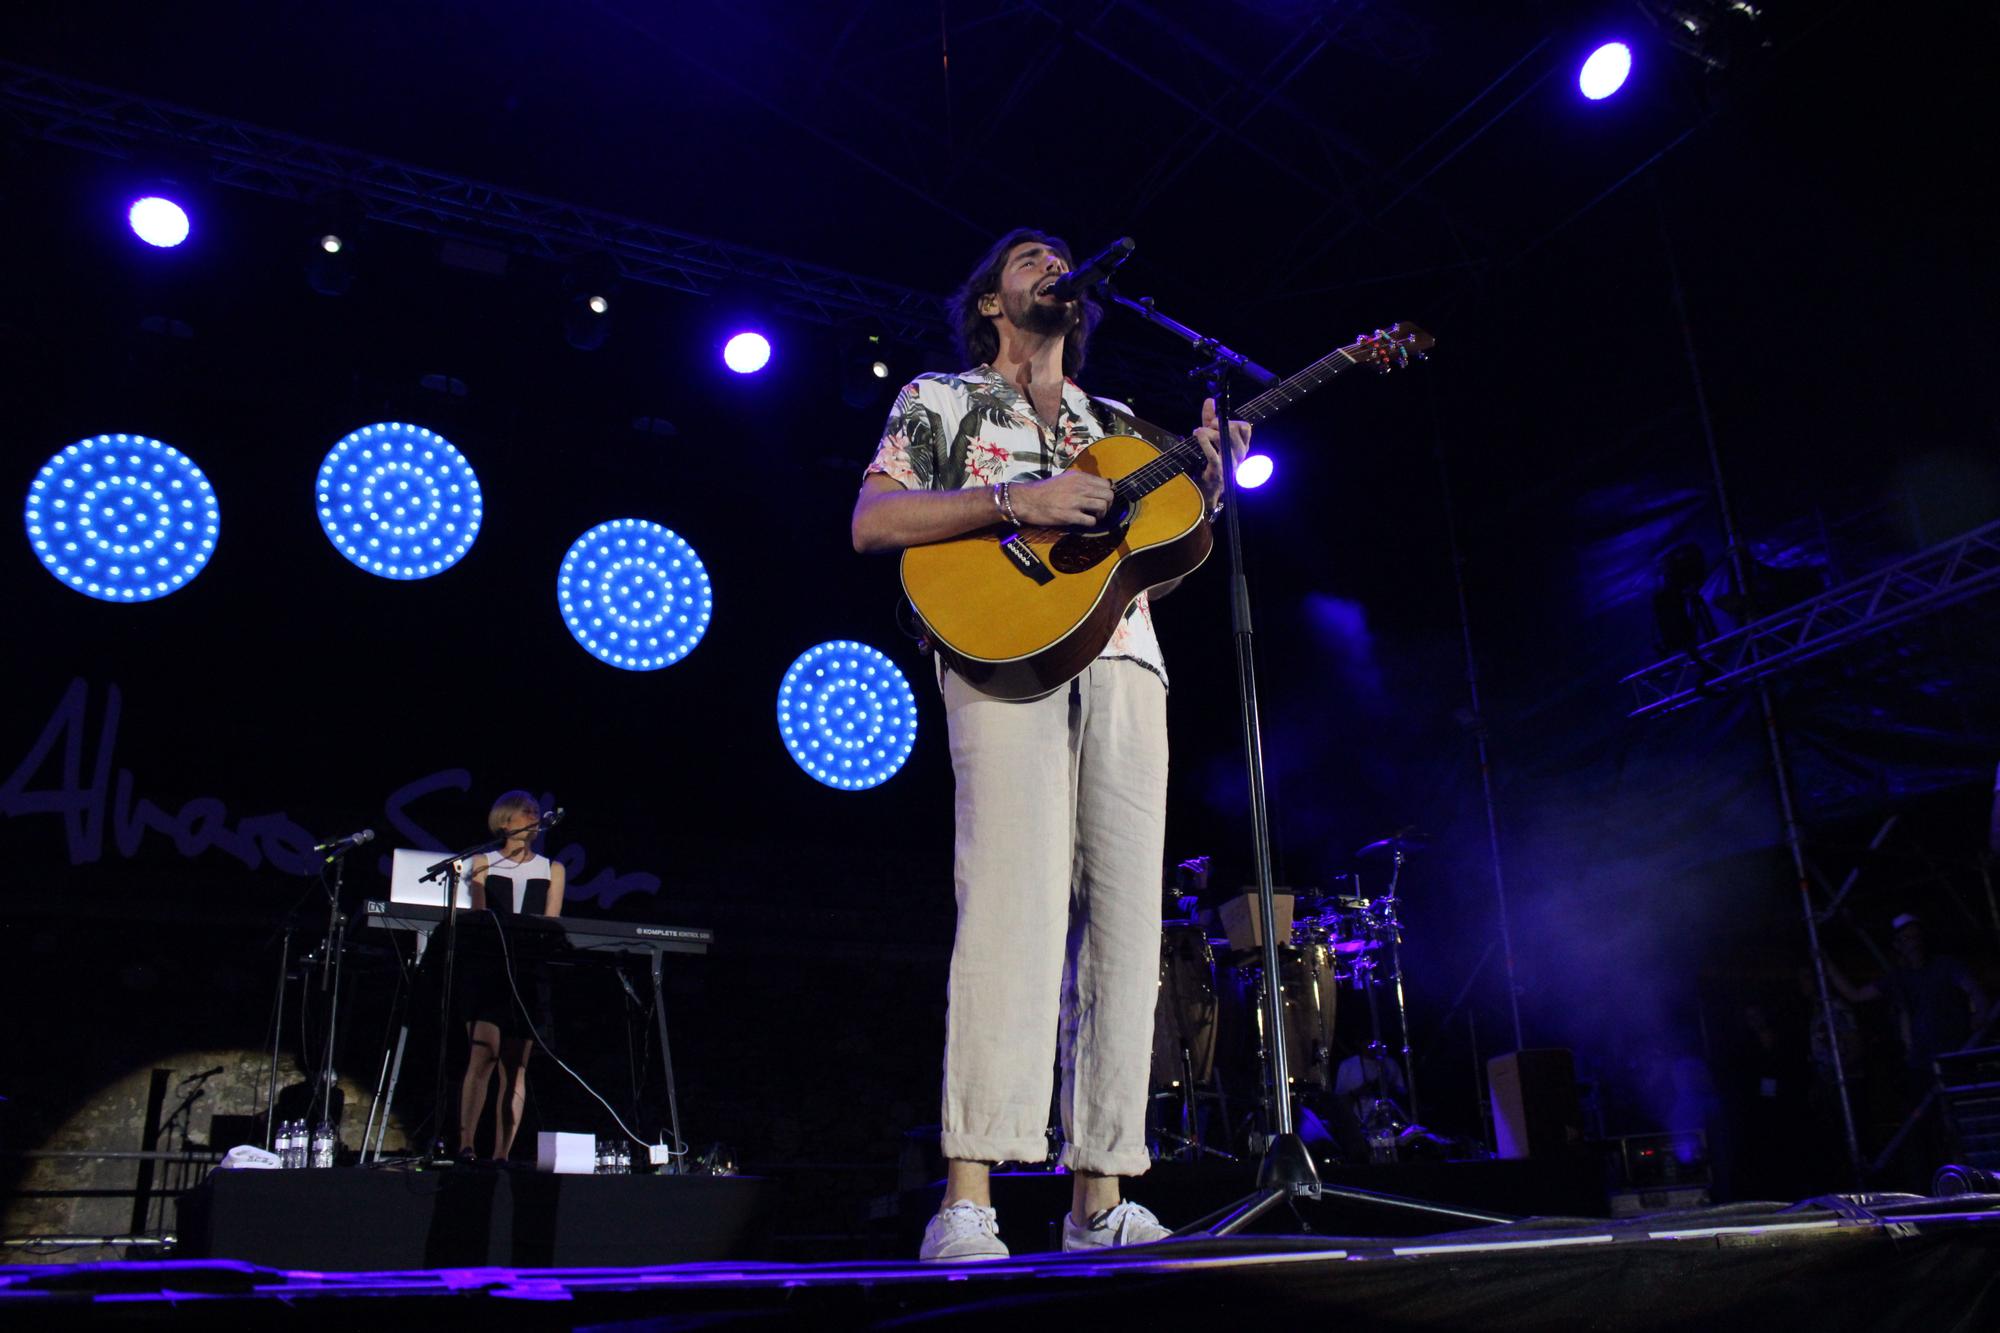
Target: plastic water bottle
[
  {"x": 1380, "y": 1127},
  {"x": 322, "y": 1145},
  {"x": 286, "y": 1140}
]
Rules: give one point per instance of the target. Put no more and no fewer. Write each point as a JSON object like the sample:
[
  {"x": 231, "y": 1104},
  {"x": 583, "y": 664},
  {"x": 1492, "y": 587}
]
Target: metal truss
[
  {"x": 270, "y": 162},
  {"x": 1947, "y": 573}
]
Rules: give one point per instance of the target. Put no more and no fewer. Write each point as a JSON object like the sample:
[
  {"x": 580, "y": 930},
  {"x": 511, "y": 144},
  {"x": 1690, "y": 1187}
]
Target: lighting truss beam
[
  {"x": 249, "y": 157},
  {"x": 270, "y": 162},
  {"x": 1929, "y": 581},
  {"x": 80, "y": 115}
]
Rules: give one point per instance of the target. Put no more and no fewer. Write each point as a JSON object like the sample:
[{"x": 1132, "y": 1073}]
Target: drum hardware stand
[
  {"x": 1394, "y": 927},
  {"x": 1183, "y": 898},
  {"x": 1285, "y": 1173},
  {"x": 1189, "y": 1144}
]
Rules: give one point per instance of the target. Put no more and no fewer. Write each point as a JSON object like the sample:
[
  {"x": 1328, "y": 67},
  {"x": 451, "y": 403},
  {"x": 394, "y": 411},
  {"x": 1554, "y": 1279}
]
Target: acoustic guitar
[{"x": 1018, "y": 612}]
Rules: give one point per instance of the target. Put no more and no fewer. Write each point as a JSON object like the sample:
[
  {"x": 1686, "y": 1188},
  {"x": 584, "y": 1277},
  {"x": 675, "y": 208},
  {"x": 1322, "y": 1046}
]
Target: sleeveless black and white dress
[{"x": 513, "y": 889}]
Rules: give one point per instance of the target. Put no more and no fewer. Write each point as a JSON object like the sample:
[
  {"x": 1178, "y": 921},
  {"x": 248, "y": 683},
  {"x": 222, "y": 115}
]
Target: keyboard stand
[
  {"x": 678, "y": 1154},
  {"x": 391, "y": 1068}
]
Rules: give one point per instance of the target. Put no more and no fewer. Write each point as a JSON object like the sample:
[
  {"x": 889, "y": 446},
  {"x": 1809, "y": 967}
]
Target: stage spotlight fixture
[
  {"x": 399, "y": 501},
  {"x": 1604, "y": 73},
  {"x": 1254, "y": 471},
  {"x": 864, "y": 371},
  {"x": 335, "y": 228},
  {"x": 846, "y": 715},
  {"x": 586, "y": 322},
  {"x": 122, "y": 518},
  {"x": 747, "y": 353},
  {"x": 589, "y": 284},
  {"x": 158, "y": 221},
  {"x": 634, "y": 594}
]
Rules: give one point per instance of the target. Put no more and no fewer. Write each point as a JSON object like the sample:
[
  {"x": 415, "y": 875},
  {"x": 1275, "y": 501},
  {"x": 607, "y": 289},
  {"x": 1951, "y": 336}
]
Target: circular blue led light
[
  {"x": 399, "y": 501},
  {"x": 846, "y": 714},
  {"x": 122, "y": 518},
  {"x": 634, "y": 594}
]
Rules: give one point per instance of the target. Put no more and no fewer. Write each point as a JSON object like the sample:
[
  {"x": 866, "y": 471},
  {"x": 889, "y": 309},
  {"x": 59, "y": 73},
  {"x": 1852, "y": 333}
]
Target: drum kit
[{"x": 1209, "y": 1038}]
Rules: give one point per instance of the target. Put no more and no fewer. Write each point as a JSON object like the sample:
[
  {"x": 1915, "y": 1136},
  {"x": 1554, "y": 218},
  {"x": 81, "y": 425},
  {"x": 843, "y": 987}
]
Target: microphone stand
[
  {"x": 335, "y": 948},
  {"x": 1286, "y": 1172},
  {"x": 448, "y": 868},
  {"x": 291, "y": 925}
]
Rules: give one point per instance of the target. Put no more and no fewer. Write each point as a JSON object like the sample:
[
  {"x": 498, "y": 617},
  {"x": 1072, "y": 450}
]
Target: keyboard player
[{"x": 512, "y": 881}]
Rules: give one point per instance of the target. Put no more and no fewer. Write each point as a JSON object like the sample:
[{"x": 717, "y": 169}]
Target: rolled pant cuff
[
  {"x": 973, "y": 1148},
  {"x": 1133, "y": 1162}
]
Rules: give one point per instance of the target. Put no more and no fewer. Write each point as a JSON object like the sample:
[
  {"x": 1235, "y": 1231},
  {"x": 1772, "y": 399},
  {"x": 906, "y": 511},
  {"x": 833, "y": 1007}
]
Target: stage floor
[{"x": 1844, "y": 1262}]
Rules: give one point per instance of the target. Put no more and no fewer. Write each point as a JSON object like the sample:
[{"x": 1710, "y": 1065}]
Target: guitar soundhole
[{"x": 1083, "y": 548}]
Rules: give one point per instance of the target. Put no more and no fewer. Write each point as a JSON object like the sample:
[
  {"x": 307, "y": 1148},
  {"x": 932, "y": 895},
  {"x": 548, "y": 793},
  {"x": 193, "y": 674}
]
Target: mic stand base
[{"x": 1287, "y": 1175}]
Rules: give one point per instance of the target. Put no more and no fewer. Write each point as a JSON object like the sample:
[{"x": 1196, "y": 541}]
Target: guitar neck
[
  {"x": 1184, "y": 455},
  {"x": 1294, "y": 387}
]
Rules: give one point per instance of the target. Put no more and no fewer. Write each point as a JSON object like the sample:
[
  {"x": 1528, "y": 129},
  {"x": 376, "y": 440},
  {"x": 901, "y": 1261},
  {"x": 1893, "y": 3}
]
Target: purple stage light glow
[
  {"x": 747, "y": 353},
  {"x": 158, "y": 221},
  {"x": 1254, "y": 471},
  {"x": 1605, "y": 72}
]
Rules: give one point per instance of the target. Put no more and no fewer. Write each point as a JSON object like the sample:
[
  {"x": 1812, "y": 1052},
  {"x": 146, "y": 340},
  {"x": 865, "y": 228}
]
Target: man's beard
[{"x": 1050, "y": 320}]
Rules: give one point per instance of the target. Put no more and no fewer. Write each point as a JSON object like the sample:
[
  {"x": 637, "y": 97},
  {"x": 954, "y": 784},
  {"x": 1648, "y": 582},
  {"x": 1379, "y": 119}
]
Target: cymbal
[{"x": 1409, "y": 840}]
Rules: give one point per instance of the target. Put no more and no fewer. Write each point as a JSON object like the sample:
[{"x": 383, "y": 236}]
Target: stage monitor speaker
[{"x": 1535, "y": 1108}]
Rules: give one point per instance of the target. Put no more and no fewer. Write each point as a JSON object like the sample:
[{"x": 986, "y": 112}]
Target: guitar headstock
[{"x": 1387, "y": 349}]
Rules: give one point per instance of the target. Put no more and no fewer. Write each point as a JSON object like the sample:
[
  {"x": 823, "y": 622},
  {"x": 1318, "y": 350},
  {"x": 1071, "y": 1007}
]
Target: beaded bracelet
[
  {"x": 1006, "y": 499},
  {"x": 996, "y": 498}
]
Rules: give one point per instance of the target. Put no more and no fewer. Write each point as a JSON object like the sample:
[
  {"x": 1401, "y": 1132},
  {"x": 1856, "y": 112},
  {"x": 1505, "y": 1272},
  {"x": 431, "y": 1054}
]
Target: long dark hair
[{"x": 978, "y": 342}]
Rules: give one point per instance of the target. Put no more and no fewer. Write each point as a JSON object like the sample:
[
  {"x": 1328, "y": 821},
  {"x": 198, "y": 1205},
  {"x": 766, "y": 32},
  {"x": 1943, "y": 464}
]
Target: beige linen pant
[{"x": 1061, "y": 813}]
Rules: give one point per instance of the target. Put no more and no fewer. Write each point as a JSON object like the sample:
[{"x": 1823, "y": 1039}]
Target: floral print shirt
[{"x": 947, "y": 432}]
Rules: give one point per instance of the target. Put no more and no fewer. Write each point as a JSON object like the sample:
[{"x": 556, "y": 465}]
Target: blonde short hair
[{"x": 511, "y": 803}]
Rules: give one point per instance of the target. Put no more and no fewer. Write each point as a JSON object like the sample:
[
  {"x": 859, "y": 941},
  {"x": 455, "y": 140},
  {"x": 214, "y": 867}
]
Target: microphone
[
  {"x": 206, "y": 1073},
  {"x": 342, "y": 846},
  {"x": 552, "y": 818},
  {"x": 1071, "y": 284}
]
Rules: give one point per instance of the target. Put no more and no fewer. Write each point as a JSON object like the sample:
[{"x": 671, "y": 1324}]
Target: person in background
[{"x": 1939, "y": 1003}]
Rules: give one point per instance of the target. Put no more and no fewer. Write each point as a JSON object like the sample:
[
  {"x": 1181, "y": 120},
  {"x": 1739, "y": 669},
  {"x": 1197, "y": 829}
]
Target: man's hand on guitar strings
[{"x": 1068, "y": 499}]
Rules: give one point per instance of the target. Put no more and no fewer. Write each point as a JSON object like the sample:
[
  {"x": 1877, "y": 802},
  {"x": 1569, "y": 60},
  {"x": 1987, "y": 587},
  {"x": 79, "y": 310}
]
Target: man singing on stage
[{"x": 1061, "y": 800}]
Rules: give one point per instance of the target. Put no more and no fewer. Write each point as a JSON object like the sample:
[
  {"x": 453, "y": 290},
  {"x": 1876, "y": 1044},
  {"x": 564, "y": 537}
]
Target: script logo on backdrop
[{"x": 96, "y": 798}]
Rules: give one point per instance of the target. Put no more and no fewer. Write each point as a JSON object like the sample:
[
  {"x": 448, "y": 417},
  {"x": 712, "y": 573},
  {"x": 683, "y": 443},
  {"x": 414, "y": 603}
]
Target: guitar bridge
[{"x": 1025, "y": 559}]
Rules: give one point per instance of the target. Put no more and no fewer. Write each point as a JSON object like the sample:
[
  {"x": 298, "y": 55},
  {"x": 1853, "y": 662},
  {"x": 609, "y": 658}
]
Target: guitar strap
[
  {"x": 1116, "y": 419},
  {"x": 1105, "y": 414}
]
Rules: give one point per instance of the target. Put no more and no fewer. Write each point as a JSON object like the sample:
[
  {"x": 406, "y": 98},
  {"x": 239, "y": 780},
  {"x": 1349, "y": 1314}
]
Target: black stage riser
[{"x": 355, "y": 1219}]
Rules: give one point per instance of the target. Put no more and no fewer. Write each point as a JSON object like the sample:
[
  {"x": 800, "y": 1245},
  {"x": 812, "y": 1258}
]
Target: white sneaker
[
  {"x": 1125, "y": 1224},
  {"x": 962, "y": 1231}
]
